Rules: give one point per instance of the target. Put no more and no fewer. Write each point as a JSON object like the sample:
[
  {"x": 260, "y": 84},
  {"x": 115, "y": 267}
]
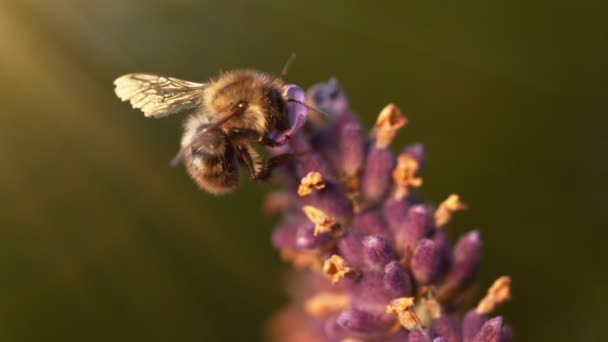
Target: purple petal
[{"x": 296, "y": 113}]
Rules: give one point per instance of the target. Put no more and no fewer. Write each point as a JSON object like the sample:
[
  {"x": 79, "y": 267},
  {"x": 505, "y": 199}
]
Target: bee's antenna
[
  {"x": 285, "y": 69},
  {"x": 310, "y": 107}
]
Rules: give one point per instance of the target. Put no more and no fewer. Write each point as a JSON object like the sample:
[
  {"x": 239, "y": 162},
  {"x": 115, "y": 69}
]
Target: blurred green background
[{"x": 102, "y": 241}]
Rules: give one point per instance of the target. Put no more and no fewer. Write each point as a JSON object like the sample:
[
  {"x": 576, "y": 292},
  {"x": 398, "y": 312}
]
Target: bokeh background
[{"x": 101, "y": 241}]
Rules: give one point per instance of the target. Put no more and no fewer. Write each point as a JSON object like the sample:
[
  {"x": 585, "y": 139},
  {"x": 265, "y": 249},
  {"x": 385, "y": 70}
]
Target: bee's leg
[
  {"x": 269, "y": 165},
  {"x": 273, "y": 143},
  {"x": 252, "y": 135},
  {"x": 243, "y": 134},
  {"x": 265, "y": 170},
  {"x": 245, "y": 158}
]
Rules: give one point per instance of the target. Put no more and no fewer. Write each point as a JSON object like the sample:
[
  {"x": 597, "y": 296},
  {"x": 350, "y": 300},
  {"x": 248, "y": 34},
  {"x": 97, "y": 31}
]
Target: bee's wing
[{"x": 158, "y": 96}]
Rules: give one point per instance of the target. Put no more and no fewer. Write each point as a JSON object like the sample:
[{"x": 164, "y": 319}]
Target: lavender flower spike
[{"x": 378, "y": 265}]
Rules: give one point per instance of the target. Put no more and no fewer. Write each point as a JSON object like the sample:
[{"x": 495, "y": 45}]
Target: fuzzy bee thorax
[{"x": 250, "y": 86}]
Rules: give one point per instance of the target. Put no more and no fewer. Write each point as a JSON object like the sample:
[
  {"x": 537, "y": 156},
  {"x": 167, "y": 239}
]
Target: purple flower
[
  {"x": 297, "y": 113},
  {"x": 373, "y": 260}
]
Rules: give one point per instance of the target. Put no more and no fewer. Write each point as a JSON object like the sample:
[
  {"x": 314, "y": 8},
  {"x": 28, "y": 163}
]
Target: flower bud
[
  {"x": 377, "y": 251},
  {"x": 376, "y": 178},
  {"x": 352, "y": 143},
  {"x": 394, "y": 212},
  {"x": 491, "y": 331},
  {"x": 397, "y": 281},
  {"x": 465, "y": 261},
  {"x": 427, "y": 261},
  {"x": 416, "y": 227}
]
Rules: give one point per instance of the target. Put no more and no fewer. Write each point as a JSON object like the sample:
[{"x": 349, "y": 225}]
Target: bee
[{"x": 231, "y": 112}]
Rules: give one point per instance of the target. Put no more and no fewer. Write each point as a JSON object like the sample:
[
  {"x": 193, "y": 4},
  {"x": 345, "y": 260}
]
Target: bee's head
[{"x": 276, "y": 109}]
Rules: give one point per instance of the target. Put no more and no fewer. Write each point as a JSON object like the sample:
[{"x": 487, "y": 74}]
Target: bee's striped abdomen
[{"x": 214, "y": 166}]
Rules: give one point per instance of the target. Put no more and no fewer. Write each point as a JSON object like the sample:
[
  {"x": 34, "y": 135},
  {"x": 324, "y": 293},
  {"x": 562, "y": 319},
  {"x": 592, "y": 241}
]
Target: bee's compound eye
[{"x": 239, "y": 108}]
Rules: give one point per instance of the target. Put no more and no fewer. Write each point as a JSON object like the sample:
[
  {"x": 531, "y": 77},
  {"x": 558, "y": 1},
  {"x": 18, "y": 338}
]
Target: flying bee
[{"x": 232, "y": 112}]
